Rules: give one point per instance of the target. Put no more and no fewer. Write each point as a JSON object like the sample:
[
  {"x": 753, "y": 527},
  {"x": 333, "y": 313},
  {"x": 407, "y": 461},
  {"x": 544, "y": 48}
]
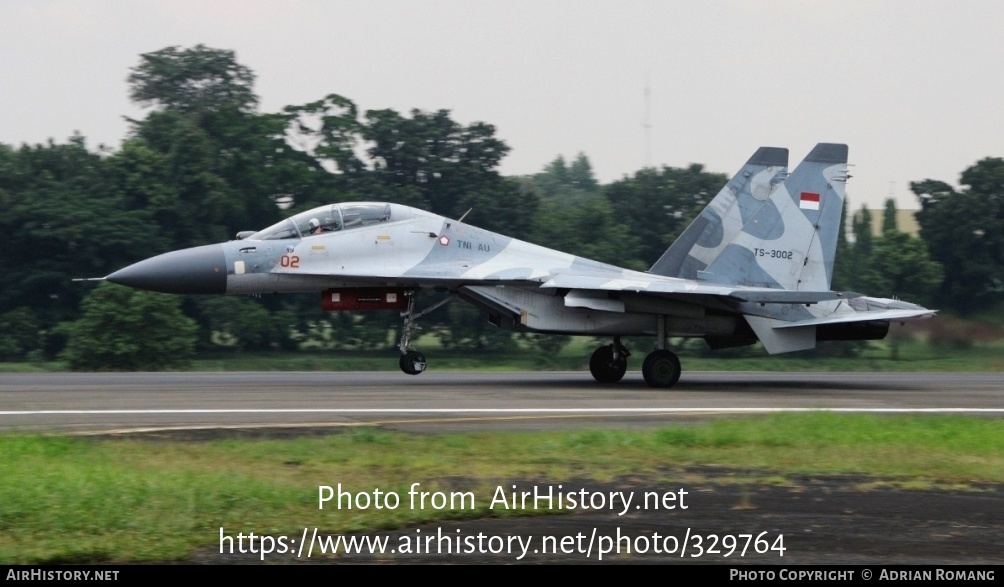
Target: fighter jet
[{"x": 756, "y": 265}]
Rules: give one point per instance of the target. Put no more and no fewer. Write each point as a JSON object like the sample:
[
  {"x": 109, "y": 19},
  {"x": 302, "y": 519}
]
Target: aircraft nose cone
[{"x": 199, "y": 270}]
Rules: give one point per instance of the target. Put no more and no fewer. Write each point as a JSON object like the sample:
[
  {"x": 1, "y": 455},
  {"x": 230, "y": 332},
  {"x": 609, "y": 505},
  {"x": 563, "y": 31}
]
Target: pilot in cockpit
[{"x": 315, "y": 226}]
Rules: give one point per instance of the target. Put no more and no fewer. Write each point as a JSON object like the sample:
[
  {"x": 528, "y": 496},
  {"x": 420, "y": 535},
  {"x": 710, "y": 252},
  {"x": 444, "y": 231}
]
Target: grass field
[{"x": 85, "y": 500}]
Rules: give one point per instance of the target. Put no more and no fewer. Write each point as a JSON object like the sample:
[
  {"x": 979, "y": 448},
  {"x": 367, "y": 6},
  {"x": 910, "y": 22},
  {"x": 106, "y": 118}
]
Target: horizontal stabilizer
[
  {"x": 777, "y": 340},
  {"x": 892, "y": 315}
]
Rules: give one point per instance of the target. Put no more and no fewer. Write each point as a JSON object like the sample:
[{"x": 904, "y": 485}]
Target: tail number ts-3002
[{"x": 772, "y": 253}]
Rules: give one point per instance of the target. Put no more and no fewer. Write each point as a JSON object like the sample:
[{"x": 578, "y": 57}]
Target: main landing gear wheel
[
  {"x": 661, "y": 369},
  {"x": 412, "y": 362},
  {"x": 606, "y": 365}
]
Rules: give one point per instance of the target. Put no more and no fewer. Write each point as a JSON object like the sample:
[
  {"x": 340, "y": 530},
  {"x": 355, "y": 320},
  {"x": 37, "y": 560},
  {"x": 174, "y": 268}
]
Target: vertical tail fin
[
  {"x": 816, "y": 189},
  {"x": 790, "y": 241},
  {"x": 725, "y": 215}
]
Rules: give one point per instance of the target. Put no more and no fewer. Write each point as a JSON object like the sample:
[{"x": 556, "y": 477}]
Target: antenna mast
[{"x": 647, "y": 122}]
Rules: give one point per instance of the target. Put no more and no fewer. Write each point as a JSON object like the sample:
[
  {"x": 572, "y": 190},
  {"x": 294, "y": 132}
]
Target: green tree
[
  {"x": 843, "y": 270},
  {"x": 122, "y": 329},
  {"x": 205, "y": 164},
  {"x": 199, "y": 79},
  {"x": 19, "y": 334},
  {"x": 216, "y": 164},
  {"x": 862, "y": 230},
  {"x": 329, "y": 130},
  {"x": 430, "y": 161},
  {"x": 554, "y": 177},
  {"x": 206, "y": 177},
  {"x": 580, "y": 174},
  {"x": 964, "y": 230},
  {"x": 901, "y": 267},
  {"x": 246, "y": 323},
  {"x": 569, "y": 184},
  {"x": 889, "y": 217},
  {"x": 863, "y": 276},
  {"x": 503, "y": 206},
  {"x": 658, "y": 204},
  {"x": 59, "y": 222},
  {"x": 467, "y": 328},
  {"x": 894, "y": 265},
  {"x": 586, "y": 227},
  {"x": 442, "y": 160},
  {"x": 547, "y": 346}
]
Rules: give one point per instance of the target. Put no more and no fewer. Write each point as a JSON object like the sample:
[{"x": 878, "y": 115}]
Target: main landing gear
[
  {"x": 413, "y": 362},
  {"x": 660, "y": 369}
]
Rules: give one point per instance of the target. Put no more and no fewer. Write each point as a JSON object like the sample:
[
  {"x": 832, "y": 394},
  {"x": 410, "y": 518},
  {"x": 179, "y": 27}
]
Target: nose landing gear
[
  {"x": 413, "y": 362},
  {"x": 609, "y": 363}
]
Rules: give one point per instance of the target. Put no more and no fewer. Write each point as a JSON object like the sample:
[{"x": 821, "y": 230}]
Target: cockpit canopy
[{"x": 330, "y": 218}]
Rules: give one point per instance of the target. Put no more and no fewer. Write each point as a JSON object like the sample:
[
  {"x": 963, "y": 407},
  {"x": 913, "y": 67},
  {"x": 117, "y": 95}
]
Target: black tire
[
  {"x": 412, "y": 362},
  {"x": 603, "y": 366},
  {"x": 661, "y": 369}
]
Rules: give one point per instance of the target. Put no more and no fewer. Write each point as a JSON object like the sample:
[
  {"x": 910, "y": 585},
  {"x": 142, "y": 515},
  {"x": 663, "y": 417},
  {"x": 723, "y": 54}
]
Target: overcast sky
[{"x": 915, "y": 88}]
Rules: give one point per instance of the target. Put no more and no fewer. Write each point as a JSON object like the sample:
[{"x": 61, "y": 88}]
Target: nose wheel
[
  {"x": 412, "y": 362},
  {"x": 609, "y": 363}
]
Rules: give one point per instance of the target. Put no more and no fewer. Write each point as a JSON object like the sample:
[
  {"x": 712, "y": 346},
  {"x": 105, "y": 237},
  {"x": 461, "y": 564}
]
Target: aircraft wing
[
  {"x": 658, "y": 285},
  {"x": 585, "y": 282},
  {"x": 786, "y": 331}
]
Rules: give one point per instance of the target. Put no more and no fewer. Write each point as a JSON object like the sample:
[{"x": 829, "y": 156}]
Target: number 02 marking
[{"x": 291, "y": 261}]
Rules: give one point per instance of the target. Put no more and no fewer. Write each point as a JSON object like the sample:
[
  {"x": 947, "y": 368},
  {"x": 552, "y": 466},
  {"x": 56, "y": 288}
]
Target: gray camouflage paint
[
  {"x": 715, "y": 265},
  {"x": 759, "y": 209},
  {"x": 725, "y": 215}
]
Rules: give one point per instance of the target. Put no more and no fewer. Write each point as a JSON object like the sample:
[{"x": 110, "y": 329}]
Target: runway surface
[
  {"x": 436, "y": 402},
  {"x": 824, "y": 519}
]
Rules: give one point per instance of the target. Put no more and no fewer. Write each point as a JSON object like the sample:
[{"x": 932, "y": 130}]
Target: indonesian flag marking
[
  {"x": 444, "y": 240},
  {"x": 809, "y": 201}
]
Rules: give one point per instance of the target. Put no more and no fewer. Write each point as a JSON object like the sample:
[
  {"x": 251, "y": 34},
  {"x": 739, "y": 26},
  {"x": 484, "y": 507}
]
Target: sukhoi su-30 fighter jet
[{"x": 756, "y": 265}]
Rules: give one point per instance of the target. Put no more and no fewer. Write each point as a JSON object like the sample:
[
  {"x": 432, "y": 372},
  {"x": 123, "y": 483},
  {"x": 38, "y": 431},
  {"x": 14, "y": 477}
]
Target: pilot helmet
[{"x": 314, "y": 223}]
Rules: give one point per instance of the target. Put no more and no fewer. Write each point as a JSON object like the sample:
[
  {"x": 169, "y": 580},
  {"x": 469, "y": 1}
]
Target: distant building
[{"x": 906, "y": 221}]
